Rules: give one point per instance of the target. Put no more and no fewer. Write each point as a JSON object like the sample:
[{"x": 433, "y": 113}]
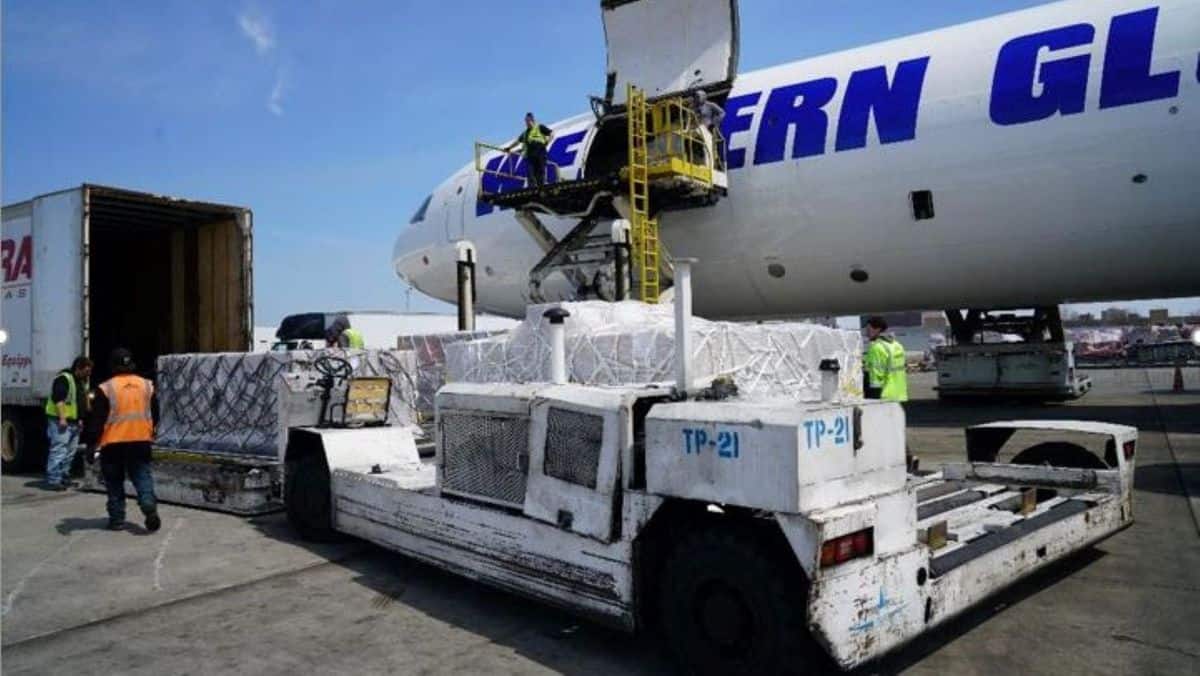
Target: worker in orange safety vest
[{"x": 121, "y": 428}]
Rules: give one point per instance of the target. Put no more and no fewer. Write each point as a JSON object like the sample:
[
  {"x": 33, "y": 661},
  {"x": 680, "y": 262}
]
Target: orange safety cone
[{"x": 1177, "y": 386}]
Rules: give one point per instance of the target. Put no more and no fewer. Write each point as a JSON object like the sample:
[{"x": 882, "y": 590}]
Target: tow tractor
[{"x": 750, "y": 532}]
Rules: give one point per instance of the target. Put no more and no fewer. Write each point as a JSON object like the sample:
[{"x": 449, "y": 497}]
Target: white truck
[
  {"x": 90, "y": 268},
  {"x": 752, "y": 533}
]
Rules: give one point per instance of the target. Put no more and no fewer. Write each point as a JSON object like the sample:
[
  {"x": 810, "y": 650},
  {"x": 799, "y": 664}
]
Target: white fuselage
[{"x": 1061, "y": 146}]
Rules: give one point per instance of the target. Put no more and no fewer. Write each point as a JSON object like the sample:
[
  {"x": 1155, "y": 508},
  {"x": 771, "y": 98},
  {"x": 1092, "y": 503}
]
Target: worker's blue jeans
[
  {"x": 115, "y": 467},
  {"x": 62, "y": 451}
]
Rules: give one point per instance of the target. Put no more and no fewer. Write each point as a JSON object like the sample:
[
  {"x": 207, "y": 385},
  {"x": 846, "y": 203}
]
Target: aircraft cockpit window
[{"x": 420, "y": 215}]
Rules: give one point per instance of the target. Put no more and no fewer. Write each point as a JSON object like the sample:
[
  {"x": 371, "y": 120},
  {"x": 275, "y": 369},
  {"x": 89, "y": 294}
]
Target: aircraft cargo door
[{"x": 667, "y": 46}]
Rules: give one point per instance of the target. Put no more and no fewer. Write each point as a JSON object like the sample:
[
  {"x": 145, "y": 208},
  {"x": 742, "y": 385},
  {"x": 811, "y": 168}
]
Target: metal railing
[
  {"x": 504, "y": 174},
  {"x": 675, "y": 132}
]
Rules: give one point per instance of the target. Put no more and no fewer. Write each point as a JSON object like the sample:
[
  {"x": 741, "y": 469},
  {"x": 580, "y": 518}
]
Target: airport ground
[{"x": 213, "y": 593}]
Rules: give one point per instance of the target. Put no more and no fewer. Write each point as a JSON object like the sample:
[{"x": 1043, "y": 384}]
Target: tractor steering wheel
[{"x": 333, "y": 367}]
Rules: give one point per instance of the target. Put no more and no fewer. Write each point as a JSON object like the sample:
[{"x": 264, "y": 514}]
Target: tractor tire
[
  {"x": 309, "y": 500},
  {"x": 730, "y": 606}
]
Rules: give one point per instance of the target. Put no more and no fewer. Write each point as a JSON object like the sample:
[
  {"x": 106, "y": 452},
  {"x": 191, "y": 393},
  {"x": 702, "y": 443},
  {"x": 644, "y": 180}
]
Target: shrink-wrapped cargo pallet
[
  {"x": 231, "y": 403},
  {"x": 631, "y": 342},
  {"x": 430, "y": 355}
]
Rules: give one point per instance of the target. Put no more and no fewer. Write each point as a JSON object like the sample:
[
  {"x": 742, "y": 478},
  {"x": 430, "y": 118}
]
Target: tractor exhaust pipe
[
  {"x": 683, "y": 326},
  {"x": 558, "y": 344}
]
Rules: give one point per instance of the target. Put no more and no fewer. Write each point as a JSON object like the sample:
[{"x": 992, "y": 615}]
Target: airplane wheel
[{"x": 308, "y": 498}]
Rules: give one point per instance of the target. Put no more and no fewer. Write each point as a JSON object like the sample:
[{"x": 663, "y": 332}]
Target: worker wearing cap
[
  {"x": 66, "y": 407},
  {"x": 341, "y": 334},
  {"x": 884, "y": 367},
  {"x": 121, "y": 427},
  {"x": 534, "y": 141}
]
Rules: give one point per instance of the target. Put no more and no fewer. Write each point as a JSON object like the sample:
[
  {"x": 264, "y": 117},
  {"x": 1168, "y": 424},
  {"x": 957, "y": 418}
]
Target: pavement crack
[
  {"x": 1148, "y": 644},
  {"x": 162, "y": 553},
  {"x": 138, "y": 612},
  {"x": 12, "y": 597}
]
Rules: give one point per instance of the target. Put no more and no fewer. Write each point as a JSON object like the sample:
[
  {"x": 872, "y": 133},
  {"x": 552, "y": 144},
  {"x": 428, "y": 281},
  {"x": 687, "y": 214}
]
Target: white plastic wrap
[
  {"x": 229, "y": 402},
  {"x": 430, "y": 355},
  {"x": 631, "y": 342}
]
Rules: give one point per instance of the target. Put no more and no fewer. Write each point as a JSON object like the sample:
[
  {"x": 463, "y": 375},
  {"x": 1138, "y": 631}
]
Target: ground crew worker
[
  {"x": 534, "y": 141},
  {"x": 66, "y": 408},
  {"x": 121, "y": 427},
  {"x": 884, "y": 367},
  {"x": 340, "y": 334},
  {"x": 710, "y": 116}
]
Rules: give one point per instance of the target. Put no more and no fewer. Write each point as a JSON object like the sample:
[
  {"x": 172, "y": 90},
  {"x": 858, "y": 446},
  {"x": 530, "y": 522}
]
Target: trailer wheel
[
  {"x": 1059, "y": 454},
  {"x": 308, "y": 498},
  {"x": 18, "y": 450},
  {"x": 729, "y": 606}
]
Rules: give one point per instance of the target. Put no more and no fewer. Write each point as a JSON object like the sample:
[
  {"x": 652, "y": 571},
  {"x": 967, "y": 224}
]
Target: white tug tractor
[{"x": 752, "y": 534}]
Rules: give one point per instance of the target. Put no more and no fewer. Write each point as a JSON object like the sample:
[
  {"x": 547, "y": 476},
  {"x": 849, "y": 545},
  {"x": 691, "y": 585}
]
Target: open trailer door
[{"x": 669, "y": 46}]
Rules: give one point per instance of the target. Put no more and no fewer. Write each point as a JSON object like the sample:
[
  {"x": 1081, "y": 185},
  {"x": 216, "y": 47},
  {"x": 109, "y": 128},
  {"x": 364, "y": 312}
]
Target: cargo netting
[{"x": 631, "y": 342}]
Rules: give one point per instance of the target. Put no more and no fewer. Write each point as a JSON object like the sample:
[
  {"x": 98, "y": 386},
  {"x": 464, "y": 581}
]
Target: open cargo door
[{"x": 668, "y": 46}]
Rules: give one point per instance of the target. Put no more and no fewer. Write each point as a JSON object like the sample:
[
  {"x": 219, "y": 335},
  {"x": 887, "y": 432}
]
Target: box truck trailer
[{"x": 91, "y": 268}]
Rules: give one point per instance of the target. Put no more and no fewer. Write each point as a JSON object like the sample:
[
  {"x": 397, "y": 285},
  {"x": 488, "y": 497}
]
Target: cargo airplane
[{"x": 1043, "y": 156}]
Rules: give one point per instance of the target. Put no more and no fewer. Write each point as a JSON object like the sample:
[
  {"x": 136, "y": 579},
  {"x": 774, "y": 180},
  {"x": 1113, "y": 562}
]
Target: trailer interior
[{"x": 165, "y": 276}]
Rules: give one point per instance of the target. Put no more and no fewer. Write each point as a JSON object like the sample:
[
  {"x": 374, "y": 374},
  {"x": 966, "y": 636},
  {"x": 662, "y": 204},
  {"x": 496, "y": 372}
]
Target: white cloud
[
  {"x": 258, "y": 29},
  {"x": 275, "y": 102}
]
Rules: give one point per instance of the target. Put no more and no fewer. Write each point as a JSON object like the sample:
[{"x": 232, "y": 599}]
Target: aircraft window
[
  {"x": 420, "y": 215},
  {"x": 922, "y": 204}
]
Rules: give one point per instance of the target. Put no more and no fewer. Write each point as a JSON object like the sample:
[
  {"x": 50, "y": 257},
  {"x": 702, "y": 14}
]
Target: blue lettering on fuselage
[
  {"x": 800, "y": 106},
  {"x": 507, "y": 172},
  {"x": 1063, "y": 80},
  {"x": 895, "y": 105},
  {"x": 1037, "y": 76},
  {"x": 1125, "y": 80}
]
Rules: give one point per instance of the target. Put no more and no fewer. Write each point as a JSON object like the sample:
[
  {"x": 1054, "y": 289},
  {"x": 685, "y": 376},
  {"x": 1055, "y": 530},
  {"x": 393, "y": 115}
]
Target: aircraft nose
[{"x": 411, "y": 256}]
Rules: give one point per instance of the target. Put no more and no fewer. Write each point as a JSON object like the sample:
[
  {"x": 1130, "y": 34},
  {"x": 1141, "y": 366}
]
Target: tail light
[
  {"x": 1128, "y": 448},
  {"x": 847, "y": 547}
]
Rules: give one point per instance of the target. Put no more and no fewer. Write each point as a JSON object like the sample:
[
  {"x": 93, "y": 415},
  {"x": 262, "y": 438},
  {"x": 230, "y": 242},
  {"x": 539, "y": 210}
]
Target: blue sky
[{"x": 333, "y": 120}]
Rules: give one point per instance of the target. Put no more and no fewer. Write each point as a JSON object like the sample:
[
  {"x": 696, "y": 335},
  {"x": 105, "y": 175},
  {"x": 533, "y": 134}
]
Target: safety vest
[
  {"x": 886, "y": 369},
  {"x": 354, "y": 339},
  {"x": 71, "y": 404},
  {"x": 533, "y": 135},
  {"x": 129, "y": 417}
]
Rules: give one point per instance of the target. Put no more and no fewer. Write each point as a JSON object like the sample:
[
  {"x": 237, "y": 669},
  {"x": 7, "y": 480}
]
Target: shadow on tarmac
[
  {"x": 568, "y": 644},
  {"x": 1166, "y": 478},
  {"x": 541, "y": 633},
  {"x": 1180, "y": 419},
  {"x": 927, "y": 644}
]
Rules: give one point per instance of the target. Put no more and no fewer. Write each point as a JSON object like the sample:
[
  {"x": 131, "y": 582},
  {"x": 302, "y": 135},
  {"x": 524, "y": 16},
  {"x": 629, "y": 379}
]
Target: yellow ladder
[{"x": 644, "y": 228}]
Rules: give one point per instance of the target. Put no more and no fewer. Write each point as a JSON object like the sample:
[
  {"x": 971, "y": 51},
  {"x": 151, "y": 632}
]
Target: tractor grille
[
  {"x": 485, "y": 456},
  {"x": 573, "y": 446}
]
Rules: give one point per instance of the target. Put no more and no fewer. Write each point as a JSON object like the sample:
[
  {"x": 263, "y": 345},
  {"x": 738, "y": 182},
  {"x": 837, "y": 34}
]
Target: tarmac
[{"x": 216, "y": 593}]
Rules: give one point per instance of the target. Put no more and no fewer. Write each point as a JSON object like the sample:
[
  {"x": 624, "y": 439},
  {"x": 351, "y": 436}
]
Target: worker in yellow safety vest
[
  {"x": 534, "y": 142},
  {"x": 341, "y": 334},
  {"x": 884, "y": 367},
  {"x": 121, "y": 428},
  {"x": 65, "y": 409}
]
